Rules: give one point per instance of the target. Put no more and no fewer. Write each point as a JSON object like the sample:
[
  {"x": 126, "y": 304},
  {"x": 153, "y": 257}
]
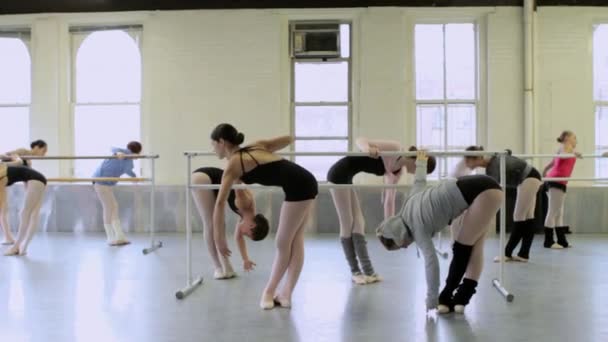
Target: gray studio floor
[{"x": 72, "y": 288}]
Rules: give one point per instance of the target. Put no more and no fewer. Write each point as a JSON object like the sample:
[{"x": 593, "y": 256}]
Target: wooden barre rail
[{"x": 99, "y": 179}]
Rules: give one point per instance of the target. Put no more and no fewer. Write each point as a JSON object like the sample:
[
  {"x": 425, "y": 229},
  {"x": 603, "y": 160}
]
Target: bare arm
[
  {"x": 219, "y": 229},
  {"x": 275, "y": 144},
  {"x": 370, "y": 146},
  {"x": 248, "y": 265},
  {"x": 547, "y": 168}
]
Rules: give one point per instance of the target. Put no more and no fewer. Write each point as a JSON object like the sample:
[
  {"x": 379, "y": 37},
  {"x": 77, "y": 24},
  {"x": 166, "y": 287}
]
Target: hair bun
[
  {"x": 560, "y": 140},
  {"x": 240, "y": 137}
]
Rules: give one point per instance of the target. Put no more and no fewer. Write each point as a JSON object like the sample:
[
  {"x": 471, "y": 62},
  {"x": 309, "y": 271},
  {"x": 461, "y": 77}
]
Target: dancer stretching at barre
[
  {"x": 559, "y": 168},
  {"x": 242, "y": 203},
  {"x": 352, "y": 222},
  {"x": 114, "y": 168},
  {"x": 526, "y": 179},
  {"x": 38, "y": 148},
  {"x": 427, "y": 211},
  {"x": 257, "y": 163},
  {"x": 11, "y": 173}
]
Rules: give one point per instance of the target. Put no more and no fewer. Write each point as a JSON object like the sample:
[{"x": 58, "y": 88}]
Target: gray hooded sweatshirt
[{"x": 425, "y": 212}]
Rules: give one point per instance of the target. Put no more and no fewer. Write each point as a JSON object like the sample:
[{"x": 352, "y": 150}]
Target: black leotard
[
  {"x": 298, "y": 183},
  {"x": 24, "y": 174},
  {"x": 343, "y": 171},
  {"x": 215, "y": 174}
]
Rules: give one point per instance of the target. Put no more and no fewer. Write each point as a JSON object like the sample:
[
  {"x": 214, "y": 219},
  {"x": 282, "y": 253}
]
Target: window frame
[
  {"x": 477, "y": 102},
  {"x": 78, "y": 34},
  {"x": 293, "y": 104}
]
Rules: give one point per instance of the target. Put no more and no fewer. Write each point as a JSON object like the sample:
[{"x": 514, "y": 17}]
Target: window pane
[
  {"x": 462, "y": 126},
  {"x": 15, "y": 72},
  {"x": 108, "y": 68},
  {"x": 601, "y": 140},
  {"x": 322, "y": 121},
  {"x": 345, "y": 40},
  {"x": 429, "y": 62},
  {"x": 324, "y": 81},
  {"x": 600, "y": 63},
  {"x": 430, "y": 127},
  {"x": 99, "y": 128},
  {"x": 15, "y": 128},
  {"x": 460, "y": 61},
  {"x": 319, "y": 166}
]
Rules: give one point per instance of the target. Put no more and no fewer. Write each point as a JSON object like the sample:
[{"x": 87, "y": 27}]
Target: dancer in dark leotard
[
  {"x": 257, "y": 163},
  {"x": 10, "y": 174},
  {"x": 242, "y": 203}
]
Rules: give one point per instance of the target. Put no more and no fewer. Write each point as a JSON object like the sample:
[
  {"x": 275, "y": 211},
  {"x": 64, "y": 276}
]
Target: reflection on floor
[{"x": 73, "y": 288}]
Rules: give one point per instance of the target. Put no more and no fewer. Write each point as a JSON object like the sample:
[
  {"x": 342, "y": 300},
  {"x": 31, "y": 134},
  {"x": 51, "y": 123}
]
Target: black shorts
[
  {"x": 23, "y": 174},
  {"x": 555, "y": 185},
  {"x": 472, "y": 186},
  {"x": 534, "y": 174},
  {"x": 215, "y": 174}
]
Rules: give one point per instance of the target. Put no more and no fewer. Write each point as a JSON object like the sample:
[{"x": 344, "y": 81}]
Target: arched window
[
  {"x": 15, "y": 93},
  {"x": 106, "y": 93}
]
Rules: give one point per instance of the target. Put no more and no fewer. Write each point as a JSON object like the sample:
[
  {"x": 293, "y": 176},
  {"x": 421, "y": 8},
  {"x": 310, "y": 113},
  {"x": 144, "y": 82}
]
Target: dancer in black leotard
[
  {"x": 35, "y": 185},
  {"x": 257, "y": 163},
  {"x": 242, "y": 203}
]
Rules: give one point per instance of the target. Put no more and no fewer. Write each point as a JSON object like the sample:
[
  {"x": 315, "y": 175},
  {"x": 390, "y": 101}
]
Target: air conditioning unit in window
[{"x": 315, "y": 40}]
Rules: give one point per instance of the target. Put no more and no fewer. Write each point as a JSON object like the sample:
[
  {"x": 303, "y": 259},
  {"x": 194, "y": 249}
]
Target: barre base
[
  {"x": 186, "y": 291},
  {"x": 508, "y": 296}
]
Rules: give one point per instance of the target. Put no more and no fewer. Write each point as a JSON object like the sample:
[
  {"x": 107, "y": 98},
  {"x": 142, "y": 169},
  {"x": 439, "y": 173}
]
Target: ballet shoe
[
  {"x": 118, "y": 243},
  {"x": 459, "y": 308},
  {"x": 557, "y": 246},
  {"x": 284, "y": 303},
  {"x": 220, "y": 275},
  {"x": 359, "y": 279},
  {"x": 374, "y": 278},
  {"x": 519, "y": 259},
  {"x": 12, "y": 251},
  {"x": 506, "y": 259},
  {"x": 7, "y": 242},
  {"x": 443, "y": 309},
  {"x": 267, "y": 304}
]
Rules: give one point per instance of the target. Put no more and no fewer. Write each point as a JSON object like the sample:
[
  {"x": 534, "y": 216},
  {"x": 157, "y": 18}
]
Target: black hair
[
  {"x": 134, "y": 147},
  {"x": 38, "y": 143},
  {"x": 473, "y": 148},
  {"x": 260, "y": 231},
  {"x": 431, "y": 163},
  {"x": 229, "y": 133},
  {"x": 562, "y": 137}
]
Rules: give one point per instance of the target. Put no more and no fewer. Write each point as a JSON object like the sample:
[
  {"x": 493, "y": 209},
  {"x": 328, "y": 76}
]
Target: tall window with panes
[
  {"x": 321, "y": 106},
  {"x": 600, "y": 96},
  {"x": 106, "y": 92},
  {"x": 15, "y": 89},
  {"x": 446, "y": 88}
]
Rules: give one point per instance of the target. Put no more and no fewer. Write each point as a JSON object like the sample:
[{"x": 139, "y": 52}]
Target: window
[
  {"x": 106, "y": 93},
  {"x": 446, "y": 89},
  {"x": 320, "y": 102},
  {"x": 600, "y": 96},
  {"x": 15, "y": 90}
]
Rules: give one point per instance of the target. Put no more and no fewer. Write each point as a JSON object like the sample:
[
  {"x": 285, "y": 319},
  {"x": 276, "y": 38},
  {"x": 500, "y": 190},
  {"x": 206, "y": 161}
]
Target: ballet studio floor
[{"x": 73, "y": 288}]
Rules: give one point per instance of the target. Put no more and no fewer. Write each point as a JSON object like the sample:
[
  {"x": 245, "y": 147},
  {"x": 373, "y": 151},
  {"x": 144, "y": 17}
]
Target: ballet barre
[
  {"x": 126, "y": 156},
  {"x": 192, "y": 283},
  {"x": 154, "y": 244},
  {"x": 561, "y": 156},
  {"x": 98, "y": 179},
  {"x": 363, "y": 154}
]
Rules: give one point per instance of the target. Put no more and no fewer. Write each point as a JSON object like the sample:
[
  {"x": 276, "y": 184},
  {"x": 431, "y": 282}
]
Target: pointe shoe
[
  {"x": 359, "y": 279},
  {"x": 374, "y": 278},
  {"x": 506, "y": 259},
  {"x": 443, "y": 309},
  {"x": 519, "y": 259},
  {"x": 284, "y": 303},
  {"x": 266, "y": 304}
]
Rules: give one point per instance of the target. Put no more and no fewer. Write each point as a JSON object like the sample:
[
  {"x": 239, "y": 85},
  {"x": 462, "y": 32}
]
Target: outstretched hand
[
  {"x": 421, "y": 155},
  {"x": 249, "y": 265},
  {"x": 222, "y": 247}
]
